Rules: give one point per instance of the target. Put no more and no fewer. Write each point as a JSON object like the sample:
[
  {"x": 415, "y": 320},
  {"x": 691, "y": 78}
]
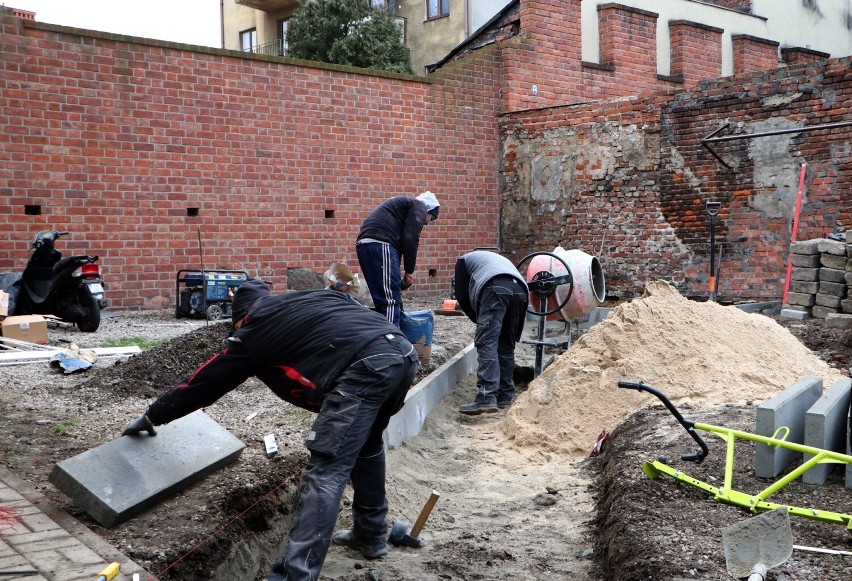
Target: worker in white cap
[{"x": 390, "y": 235}]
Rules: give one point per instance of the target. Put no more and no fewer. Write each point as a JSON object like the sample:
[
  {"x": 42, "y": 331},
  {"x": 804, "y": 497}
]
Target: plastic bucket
[
  {"x": 417, "y": 327},
  {"x": 589, "y": 285}
]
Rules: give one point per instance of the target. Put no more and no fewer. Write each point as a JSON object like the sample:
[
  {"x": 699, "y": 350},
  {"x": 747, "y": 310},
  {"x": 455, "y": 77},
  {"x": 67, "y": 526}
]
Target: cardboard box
[
  {"x": 4, "y": 304},
  {"x": 29, "y": 328}
]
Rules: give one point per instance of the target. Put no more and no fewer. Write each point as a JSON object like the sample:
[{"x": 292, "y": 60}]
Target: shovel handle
[{"x": 424, "y": 514}]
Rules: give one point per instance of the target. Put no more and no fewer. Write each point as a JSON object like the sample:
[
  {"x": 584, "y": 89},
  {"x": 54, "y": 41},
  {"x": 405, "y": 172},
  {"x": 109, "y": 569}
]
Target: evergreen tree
[{"x": 347, "y": 32}]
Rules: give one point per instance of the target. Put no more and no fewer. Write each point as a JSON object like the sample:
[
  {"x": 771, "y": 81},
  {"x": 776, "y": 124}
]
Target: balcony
[
  {"x": 277, "y": 47},
  {"x": 268, "y": 5}
]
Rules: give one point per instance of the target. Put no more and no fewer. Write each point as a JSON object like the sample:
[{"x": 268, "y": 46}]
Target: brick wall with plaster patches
[{"x": 628, "y": 180}]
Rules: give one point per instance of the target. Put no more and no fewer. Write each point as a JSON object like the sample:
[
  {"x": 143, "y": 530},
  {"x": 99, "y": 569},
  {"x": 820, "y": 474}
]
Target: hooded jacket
[
  {"x": 399, "y": 222},
  {"x": 297, "y": 343},
  {"x": 473, "y": 272}
]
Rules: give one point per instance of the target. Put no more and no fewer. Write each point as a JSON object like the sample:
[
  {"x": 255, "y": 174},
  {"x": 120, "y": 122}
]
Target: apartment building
[{"x": 434, "y": 29}]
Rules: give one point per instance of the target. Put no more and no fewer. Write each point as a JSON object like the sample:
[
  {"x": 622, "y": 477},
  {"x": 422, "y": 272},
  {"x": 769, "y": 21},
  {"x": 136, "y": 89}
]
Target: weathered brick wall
[
  {"x": 121, "y": 141},
  {"x": 753, "y": 54},
  {"x": 696, "y": 51},
  {"x": 628, "y": 181}
]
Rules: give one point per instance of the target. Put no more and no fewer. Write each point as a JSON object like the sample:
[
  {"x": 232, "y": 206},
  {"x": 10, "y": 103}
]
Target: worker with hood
[
  {"x": 494, "y": 295},
  {"x": 390, "y": 234},
  {"x": 354, "y": 376}
]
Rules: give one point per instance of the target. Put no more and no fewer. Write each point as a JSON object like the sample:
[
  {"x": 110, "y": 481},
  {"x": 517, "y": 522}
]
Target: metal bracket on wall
[{"x": 706, "y": 141}]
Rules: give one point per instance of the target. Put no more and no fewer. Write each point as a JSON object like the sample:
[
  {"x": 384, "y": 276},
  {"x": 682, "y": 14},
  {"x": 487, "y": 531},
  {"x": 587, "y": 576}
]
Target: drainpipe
[{"x": 222, "y": 21}]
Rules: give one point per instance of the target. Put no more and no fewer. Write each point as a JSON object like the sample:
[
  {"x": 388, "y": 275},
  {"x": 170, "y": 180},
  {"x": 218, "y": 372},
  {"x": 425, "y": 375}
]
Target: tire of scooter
[{"x": 90, "y": 318}]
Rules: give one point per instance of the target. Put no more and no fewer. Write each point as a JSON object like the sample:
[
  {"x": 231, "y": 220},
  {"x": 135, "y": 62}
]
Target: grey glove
[{"x": 140, "y": 424}]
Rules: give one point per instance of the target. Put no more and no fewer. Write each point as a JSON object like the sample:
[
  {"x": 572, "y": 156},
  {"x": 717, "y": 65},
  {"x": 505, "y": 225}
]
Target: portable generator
[{"x": 206, "y": 293}]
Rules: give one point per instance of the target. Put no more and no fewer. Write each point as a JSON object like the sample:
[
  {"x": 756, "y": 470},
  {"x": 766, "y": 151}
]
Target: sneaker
[
  {"x": 347, "y": 539},
  {"x": 504, "y": 404},
  {"x": 475, "y": 408}
]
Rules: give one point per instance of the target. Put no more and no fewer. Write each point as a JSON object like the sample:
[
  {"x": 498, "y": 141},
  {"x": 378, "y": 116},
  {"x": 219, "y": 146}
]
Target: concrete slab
[
  {"x": 826, "y": 425},
  {"x": 791, "y": 314},
  {"x": 122, "y": 478},
  {"x": 759, "y": 307},
  {"x": 849, "y": 451},
  {"x": 424, "y": 396},
  {"x": 787, "y": 409}
]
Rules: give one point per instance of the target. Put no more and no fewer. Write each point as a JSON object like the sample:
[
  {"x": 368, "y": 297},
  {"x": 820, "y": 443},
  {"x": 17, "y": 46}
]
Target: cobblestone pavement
[{"x": 39, "y": 542}]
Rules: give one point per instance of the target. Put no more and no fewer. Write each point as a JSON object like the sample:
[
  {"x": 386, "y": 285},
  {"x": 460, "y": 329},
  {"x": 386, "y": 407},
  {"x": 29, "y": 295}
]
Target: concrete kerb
[{"x": 424, "y": 396}]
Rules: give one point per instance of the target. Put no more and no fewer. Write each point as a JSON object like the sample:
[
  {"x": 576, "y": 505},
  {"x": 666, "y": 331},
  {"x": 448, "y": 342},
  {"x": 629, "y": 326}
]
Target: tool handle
[
  {"x": 109, "y": 572},
  {"x": 424, "y": 514}
]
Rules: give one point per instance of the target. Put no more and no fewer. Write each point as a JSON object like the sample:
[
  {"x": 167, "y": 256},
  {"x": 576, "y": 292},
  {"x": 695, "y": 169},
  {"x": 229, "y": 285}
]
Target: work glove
[
  {"x": 140, "y": 424},
  {"x": 406, "y": 282}
]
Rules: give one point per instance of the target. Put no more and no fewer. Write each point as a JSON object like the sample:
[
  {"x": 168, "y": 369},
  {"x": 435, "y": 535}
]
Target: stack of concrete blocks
[
  {"x": 803, "y": 414},
  {"x": 821, "y": 278}
]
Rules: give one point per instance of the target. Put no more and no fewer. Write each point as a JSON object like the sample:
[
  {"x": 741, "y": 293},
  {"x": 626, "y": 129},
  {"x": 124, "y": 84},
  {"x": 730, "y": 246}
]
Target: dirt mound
[{"x": 696, "y": 352}]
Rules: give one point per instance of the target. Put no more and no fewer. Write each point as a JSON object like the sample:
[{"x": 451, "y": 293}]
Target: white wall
[
  {"x": 481, "y": 11},
  {"x": 786, "y": 21}
]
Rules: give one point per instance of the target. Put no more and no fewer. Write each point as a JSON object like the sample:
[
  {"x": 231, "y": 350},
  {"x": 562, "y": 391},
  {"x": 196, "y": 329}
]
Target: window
[
  {"x": 248, "y": 40},
  {"x": 283, "y": 28},
  {"x": 437, "y": 8},
  {"x": 379, "y": 4}
]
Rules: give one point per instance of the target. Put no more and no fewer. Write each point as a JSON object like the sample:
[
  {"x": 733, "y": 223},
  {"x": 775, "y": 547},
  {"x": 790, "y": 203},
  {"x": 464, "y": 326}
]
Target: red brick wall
[
  {"x": 798, "y": 55},
  {"x": 116, "y": 139},
  {"x": 696, "y": 51},
  {"x": 628, "y": 180},
  {"x": 753, "y": 54}
]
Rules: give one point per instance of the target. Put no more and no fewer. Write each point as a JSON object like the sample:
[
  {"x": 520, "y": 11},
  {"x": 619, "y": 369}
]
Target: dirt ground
[{"x": 502, "y": 513}]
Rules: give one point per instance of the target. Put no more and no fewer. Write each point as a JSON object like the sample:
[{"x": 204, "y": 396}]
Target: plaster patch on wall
[
  {"x": 546, "y": 178},
  {"x": 780, "y": 100},
  {"x": 775, "y": 171},
  {"x": 678, "y": 166}
]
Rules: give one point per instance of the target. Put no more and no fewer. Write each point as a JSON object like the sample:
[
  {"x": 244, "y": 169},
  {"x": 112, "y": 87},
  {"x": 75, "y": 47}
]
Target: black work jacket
[
  {"x": 399, "y": 222},
  {"x": 297, "y": 343}
]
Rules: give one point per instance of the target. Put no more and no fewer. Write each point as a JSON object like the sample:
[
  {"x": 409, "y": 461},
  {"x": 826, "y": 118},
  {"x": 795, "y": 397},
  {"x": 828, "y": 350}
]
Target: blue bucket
[{"x": 417, "y": 325}]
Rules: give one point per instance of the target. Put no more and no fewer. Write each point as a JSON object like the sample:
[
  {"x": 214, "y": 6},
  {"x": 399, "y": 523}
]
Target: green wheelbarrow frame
[{"x": 726, "y": 493}]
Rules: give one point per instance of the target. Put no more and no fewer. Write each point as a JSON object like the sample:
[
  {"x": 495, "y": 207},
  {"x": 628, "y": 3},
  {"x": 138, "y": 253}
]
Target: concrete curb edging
[{"x": 424, "y": 396}]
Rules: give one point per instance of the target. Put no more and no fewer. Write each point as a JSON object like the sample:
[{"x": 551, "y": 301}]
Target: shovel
[{"x": 754, "y": 546}]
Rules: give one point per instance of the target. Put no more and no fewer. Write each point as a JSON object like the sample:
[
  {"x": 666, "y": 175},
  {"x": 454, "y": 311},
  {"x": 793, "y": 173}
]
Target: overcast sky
[{"x": 189, "y": 21}]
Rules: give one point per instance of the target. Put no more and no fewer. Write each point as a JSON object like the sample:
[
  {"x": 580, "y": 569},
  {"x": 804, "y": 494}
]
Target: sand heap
[{"x": 701, "y": 353}]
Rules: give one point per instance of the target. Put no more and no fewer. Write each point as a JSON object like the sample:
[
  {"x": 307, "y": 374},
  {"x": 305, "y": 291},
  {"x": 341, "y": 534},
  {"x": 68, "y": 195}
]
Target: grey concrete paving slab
[
  {"x": 826, "y": 425},
  {"x": 786, "y": 409},
  {"x": 424, "y": 396},
  {"x": 125, "y": 477}
]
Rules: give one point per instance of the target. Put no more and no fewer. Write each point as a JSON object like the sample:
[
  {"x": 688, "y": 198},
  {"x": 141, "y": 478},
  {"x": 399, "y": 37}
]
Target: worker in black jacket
[
  {"x": 391, "y": 233},
  {"x": 494, "y": 295},
  {"x": 322, "y": 351}
]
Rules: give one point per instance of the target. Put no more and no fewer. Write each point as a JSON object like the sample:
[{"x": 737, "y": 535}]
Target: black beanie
[{"x": 245, "y": 297}]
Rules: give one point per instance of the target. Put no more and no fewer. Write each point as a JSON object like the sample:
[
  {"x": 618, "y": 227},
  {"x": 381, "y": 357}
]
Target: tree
[{"x": 347, "y": 32}]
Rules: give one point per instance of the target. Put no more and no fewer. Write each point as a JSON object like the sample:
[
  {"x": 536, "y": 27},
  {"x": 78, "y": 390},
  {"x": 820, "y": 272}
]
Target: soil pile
[{"x": 701, "y": 353}]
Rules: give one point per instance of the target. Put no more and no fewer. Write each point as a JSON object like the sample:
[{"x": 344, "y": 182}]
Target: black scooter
[{"x": 69, "y": 288}]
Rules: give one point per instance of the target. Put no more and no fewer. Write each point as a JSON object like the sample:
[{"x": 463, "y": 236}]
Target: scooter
[{"x": 69, "y": 288}]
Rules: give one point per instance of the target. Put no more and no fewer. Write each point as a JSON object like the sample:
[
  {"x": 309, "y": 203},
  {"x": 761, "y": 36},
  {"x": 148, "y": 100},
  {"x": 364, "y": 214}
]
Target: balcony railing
[{"x": 277, "y": 47}]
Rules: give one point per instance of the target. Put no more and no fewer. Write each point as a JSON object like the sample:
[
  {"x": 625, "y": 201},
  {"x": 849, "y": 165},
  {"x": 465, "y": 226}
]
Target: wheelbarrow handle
[{"x": 688, "y": 425}]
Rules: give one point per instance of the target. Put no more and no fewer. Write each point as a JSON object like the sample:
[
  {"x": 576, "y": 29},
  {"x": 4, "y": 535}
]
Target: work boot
[
  {"x": 347, "y": 539},
  {"x": 475, "y": 408},
  {"x": 504, "y": 404}
]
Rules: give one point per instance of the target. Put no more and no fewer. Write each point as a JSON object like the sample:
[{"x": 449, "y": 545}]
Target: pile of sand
[{"x": 701, "y": 353}]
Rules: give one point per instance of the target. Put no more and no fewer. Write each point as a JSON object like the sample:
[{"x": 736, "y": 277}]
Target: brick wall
[
  {"x": 800, "y": 56},
  {"x": 696, "y": 51},
  {"x": 123, "y": 141},
  {"x": 628, "y": 180},
  {"x": 753, "y": 54}
]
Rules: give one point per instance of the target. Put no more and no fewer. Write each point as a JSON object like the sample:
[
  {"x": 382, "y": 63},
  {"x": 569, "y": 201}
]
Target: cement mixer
[{"x": 564, "y": 285}]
